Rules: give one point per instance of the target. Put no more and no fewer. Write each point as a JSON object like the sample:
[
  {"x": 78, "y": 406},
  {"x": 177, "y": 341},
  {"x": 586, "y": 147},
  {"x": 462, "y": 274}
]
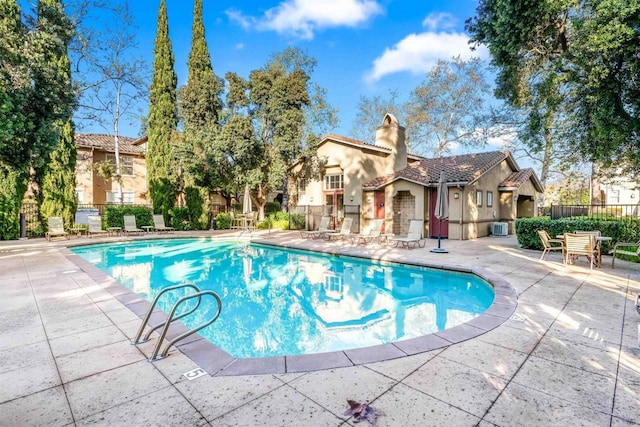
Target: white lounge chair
[
  {"x": 95, "y": 226},
  {"x": 130, "y": 225},
  {"x": 323, "y": 228},
  {"x": 158, "y": 224},
  {"x": 55, "y": 228},
  {"x": 414, "y": 235},
  {"x": 344, "y": 233},
  {"x": 370, "y": 234}
]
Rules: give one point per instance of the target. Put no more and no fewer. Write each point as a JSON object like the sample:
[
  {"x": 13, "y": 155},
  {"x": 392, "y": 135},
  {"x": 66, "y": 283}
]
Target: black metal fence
[
  {"x": 618, "y": 212},
  {"x": 312, "y": 215}
]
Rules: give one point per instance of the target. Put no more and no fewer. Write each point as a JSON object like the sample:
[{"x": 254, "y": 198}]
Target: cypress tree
[
  {"x": 14, "y": 97},
  {"x": 200, "y": 107},
  {"x": 58, "y": 181},
  {"x": 200, "y": 102},
  {"x": 163, "y": 118}
]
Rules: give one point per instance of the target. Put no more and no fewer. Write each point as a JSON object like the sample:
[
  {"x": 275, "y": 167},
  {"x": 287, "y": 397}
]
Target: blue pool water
[{"x": 288, "y": 302}]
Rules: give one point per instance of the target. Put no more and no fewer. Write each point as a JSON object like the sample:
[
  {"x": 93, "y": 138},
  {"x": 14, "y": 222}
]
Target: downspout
[{"x": 461, "y": 213}]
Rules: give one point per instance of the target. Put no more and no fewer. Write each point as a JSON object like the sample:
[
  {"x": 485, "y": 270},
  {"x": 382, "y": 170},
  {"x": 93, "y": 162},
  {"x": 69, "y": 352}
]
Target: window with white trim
[
  {"x": 489, "y": 199},
  {"x": 479, "y": 198},
  {"x": 128, "y": 197},
  {"x": 126, "y": 164},
  {"x": 333, "y": 182},
  {"x": 302, "y": 186}
]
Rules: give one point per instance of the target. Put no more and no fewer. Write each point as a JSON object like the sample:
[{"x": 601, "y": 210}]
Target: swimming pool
[{"x": 289, "y": 302}]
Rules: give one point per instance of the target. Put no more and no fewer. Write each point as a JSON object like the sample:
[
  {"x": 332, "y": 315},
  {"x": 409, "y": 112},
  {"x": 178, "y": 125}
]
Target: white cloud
[
  {"x": 237, "y": 16},
  {"x": 418, "y": 53},
  {"x": 239, "y": 46},
  {"x": 440, "y": 20},
  {"x": 303, "y": 17}
]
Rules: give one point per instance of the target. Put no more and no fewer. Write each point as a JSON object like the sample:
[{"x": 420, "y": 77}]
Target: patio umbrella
[
  {"x": 246, "y": 201},
  {"x": 441, "y": 210}
]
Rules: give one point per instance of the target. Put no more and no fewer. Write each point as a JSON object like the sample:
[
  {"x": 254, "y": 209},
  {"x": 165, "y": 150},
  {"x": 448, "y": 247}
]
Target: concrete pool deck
[{"x": 568, "y": 355}]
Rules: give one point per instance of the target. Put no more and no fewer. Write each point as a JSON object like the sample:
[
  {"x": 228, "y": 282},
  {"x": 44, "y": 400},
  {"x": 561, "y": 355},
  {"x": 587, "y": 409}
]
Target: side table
[
  {"x": 78, "y": 231},
  {"x": 114, "y": 231}
]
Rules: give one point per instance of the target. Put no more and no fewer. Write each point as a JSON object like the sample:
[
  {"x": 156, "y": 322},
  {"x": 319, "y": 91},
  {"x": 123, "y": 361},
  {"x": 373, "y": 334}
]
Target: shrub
[
  {"x": 223, "y": 221},
  {"x": 181, "y": 219},
  {"x": 619, "y": 231},
  {"x": 271, "y": 207},
  {"x": 114, "y": 215}
]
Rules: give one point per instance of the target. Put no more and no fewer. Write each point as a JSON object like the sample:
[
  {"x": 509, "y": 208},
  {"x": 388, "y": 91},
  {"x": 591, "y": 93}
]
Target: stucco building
[
  {"x": 91, "y": 188},
  {"x": 381, "y": 180}
]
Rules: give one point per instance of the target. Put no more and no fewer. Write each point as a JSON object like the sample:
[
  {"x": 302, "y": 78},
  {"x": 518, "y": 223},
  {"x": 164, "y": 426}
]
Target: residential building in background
[
  {"x": 91, "y": 188},
  {"x": 390, "y": 184}
]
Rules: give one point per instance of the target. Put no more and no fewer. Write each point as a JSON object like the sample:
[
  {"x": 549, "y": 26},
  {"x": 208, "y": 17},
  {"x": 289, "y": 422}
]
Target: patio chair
[
  {"x": 548, "y": 244},
  {"x": 95, "y": 226},
  {"x": 237, "y": 221},
  {"x": 414, "y": 236},
  {"x": 344, "y": 233},
  {"x": 158, "y": 224},
  {"x": 130, "y": 225},
  {"x": 323, "y": 228},
  {"x": 370, "y": 234},
  {"x": 598, "y": 244},
  {"x": 250, "y": 220},
  {"x": 580, "y": 245},
  {"x": 55, "y": 228},
  {"x": 633, "y": 253}
]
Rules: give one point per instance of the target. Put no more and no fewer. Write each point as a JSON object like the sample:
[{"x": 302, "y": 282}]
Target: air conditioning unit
[{"x": 499, "y": 229}]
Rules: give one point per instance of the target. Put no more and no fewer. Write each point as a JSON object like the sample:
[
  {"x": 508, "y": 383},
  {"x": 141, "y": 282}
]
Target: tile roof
[
  {"x": 516, "y": 179},
  {"x": 338, "y": 138},
  {"x": 462, "y": 169},
  {"x": 105, "y": 142}
]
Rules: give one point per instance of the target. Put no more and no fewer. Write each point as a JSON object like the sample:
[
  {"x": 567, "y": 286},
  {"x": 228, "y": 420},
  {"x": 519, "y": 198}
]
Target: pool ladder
[{"x": 165, "y": 325}]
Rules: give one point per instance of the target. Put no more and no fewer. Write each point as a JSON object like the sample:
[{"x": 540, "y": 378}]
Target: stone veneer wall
[{"x": 405, "y": 203}]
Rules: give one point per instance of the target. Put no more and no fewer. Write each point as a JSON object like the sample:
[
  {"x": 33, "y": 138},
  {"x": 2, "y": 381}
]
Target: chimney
[{"x": 391, "y": 135}]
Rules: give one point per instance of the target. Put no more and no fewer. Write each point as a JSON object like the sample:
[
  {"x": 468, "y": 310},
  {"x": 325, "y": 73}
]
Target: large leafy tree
[
  {"x": 273, "y": 117},
  {"x": 199, "y": 107},
  {"x": 371, "y": 111},
  {"x": 120, "y": 81},
  {"x": 578, "y": 60},
  {"x": 279, "y": 97},
  {"x": 449, "y": 109},
  {"x": 163, "y": 119}
]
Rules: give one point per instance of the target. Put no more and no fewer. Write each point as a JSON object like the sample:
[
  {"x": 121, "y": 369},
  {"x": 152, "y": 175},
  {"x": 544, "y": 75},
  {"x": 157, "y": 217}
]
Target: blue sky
[{"x": 363, "y": 47}]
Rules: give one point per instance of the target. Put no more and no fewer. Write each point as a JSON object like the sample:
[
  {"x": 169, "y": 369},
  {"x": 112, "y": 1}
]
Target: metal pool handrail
[
  {"x": 163, "y": 354},
  {"x": 137, "y": 340}
]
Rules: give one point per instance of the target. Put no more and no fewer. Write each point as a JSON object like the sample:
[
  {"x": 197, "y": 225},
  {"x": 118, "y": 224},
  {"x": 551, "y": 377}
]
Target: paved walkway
[{"x": 568, "y": 356}]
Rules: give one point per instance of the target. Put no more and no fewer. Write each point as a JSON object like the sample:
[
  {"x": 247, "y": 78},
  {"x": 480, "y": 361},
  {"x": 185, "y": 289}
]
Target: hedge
[
  {"x": 619, "y": 231},
  {"x": 114, "y": 215}
]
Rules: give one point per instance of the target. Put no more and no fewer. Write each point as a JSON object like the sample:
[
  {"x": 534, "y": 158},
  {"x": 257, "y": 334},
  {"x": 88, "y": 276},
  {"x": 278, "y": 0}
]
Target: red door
[
  {"x": 433, "y": 221},
  {"x": 379, "y": 208}
]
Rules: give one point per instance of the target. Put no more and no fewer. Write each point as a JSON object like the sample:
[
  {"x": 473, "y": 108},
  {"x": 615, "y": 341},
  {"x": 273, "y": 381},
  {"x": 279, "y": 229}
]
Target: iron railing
[{"x": 613, "y": 212}]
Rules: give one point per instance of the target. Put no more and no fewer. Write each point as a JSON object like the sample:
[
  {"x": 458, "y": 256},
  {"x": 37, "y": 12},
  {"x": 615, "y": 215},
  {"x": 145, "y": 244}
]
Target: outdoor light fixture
[
  {"x": 351, "y": 198},
  {"x": 456, "y": 195}
]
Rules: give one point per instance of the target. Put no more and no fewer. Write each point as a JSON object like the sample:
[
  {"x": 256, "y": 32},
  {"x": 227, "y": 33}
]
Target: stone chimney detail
[{"x": 391, "y": 135}]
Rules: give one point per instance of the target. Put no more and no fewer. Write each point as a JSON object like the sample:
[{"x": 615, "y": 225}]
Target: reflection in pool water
[{"x": 287, "y": 302}]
